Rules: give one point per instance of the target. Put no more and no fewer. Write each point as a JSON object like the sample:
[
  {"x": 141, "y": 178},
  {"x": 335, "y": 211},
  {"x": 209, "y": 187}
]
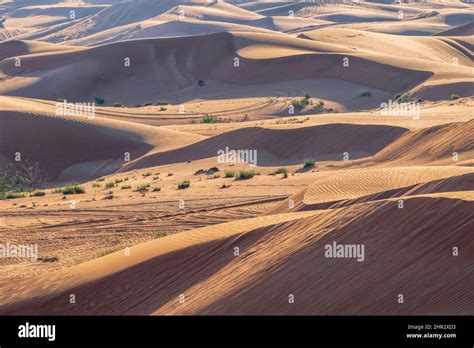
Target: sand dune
[
  {"x": 162, "y": 226},
  {"x": 454, "y": 143},
  {"x": 182, "y": 66},
  {"x": 462, "y": 30},
  {"x": 97, "y": 144},
  {"x": 286, "y": 147},
  {"x": 361, "y": 286}
]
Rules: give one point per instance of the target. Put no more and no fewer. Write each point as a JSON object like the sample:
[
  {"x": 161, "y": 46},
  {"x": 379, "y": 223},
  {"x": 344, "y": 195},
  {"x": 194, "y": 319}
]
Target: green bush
[
  {"x": 309, "y": 164},
  {"x": 245, "y": 175},
  {"x": 453, "y": 97},
  {"x": 99, "y": 101},
  {"x": 14, "y": 195},
  {"x": 229, "y": 174},
  {"x": 210, "y": 119},
  {"x": 143, "y": 188},
  {"x": 160, "y": 234},
  {"x": 283, "y": 171},
  {"x": 110, "y": 184},
  {"x": 72, "y": 190},
  {"x": 184, "y": 185},
  {"x": 39, "y": 194}
]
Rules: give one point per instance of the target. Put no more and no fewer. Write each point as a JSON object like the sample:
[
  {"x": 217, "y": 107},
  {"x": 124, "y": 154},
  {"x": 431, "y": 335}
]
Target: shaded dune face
[
  {"x": 286, "y": 147},
  {"x": 161, "y": 66},
  {"x": 57, "y": 143}
]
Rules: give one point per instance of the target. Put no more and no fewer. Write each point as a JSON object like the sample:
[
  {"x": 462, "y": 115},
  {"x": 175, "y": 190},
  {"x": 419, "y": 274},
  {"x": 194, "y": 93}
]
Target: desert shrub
[
  {"x": 110, "y": 184},
  {"x": 117, "y": 105},
  {"x": 99, "y": 101},
  {"x": 301, "y": 103},
  {"x": 148, "y": 104},
  {"x": 39, "y": 194},
  {"x": 14, "y": 195},
  {"x": 184, "y": 185},
  {"x": 245, "y": 175},
  {"x": 163, "y": 108},
  {"x": 143, "y": 188},
  {"x": 156, "y": 189},
  {"x": 72, "y": 190},
  {"x": 101, "y": 179},
  {"x": 365, "y": 93},
  {"x": 453, "y": 97},
  {"x": 283, "y": 171},
  {"x": 309, "y": 164},
  {"x": 160, "y": 234},
  {"x": 48, "y": 259},
  {"x": 118, "y": 181},
  {"x": 23, "y": 177},
  {"x": 126, "y": 187},
  {"x": 147, "y": 174},
  {"x": 319, "y": 107},
  {"x": 96, "y": 184},
  {"x": 229, "y": 173},
  {"x": 210, "y": 119},
  {"x": 162, "y": 103}
]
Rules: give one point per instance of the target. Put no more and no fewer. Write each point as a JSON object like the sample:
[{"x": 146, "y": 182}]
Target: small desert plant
[
  {"x": 156, "y": 189},
  {"x": 319, "y": 107},
  {"x": 162, "y": 103},
  {"x": 96, "y": 184},
  {"x": 365, "y": 93},
  {"x": 14, "y": 195},
  {"x": 148, "y": 104},
  {"x": 99, "y": 101},
  {"x": 39, "y": 194},
  {"x": 283, "y": 171},
  {"x": 110, "y": 184},
  {"x": 101, "y": 179},
  {"x": 453, "y": 97},
  {"x": 48, "y": 259},
  {"x": 163, "y": 108},
  {"x": 143, "y": 188},
  {"x": 184, "y": 185},
  {"x": 245, "y": 175},
  {"x": 126, "y": 187},
  {"x": 117, "y": 105},
  {"x": 229, "y": 173},
  {"x": 118, "y": 181},
  {"x": 72, "y": 190},
  {"x": 309, "y": 164},
  {"x": 307, "y": 96},
  {"x": 211, "y": 119},
  {"x": 147, "y": 174},
  {"x": 160, "y": 234}
]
